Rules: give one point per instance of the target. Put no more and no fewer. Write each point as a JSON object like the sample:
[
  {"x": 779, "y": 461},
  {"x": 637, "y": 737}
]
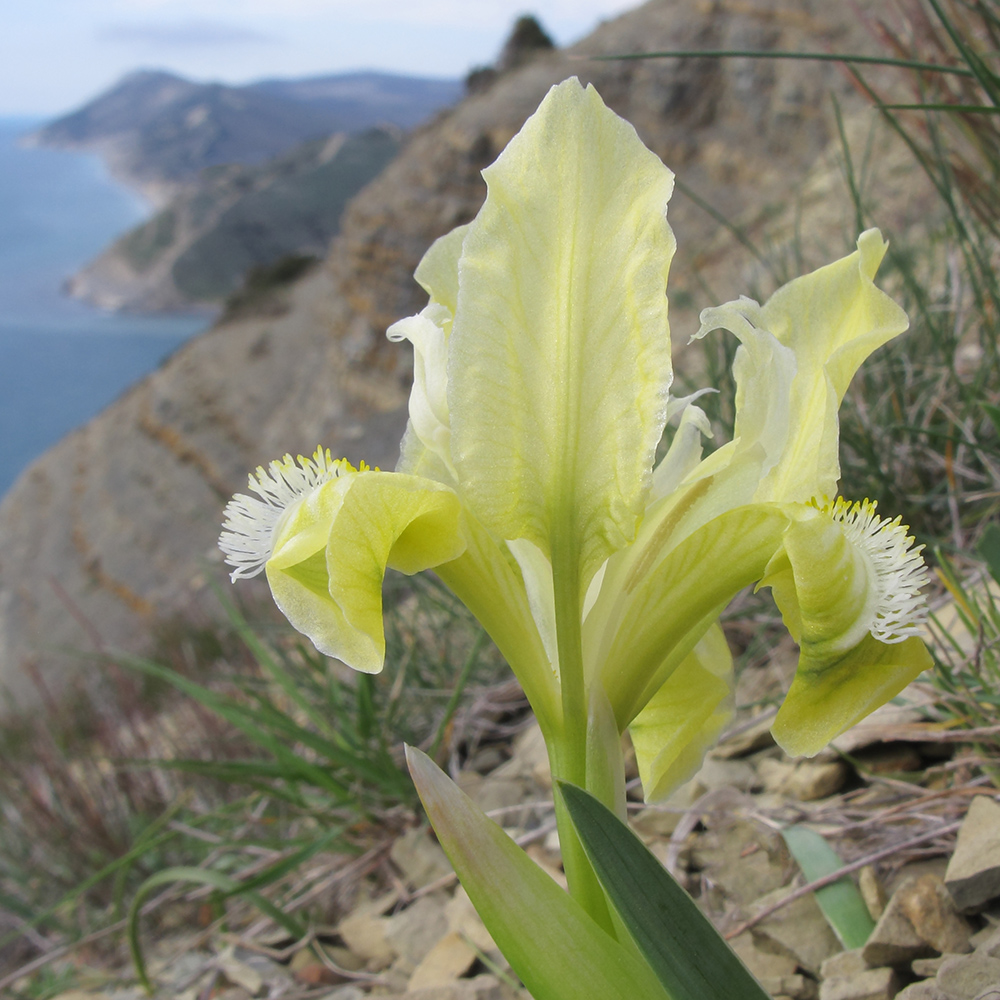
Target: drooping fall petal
[
  {"x": 848, "y": 586},
  {"x": 331, "y": 554}
]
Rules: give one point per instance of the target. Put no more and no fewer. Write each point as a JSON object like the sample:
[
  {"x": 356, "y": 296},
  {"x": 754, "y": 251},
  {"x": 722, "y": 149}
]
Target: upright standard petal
[
  {"x": 830, "y": 321},
  {"x": 559, "y": 358}
]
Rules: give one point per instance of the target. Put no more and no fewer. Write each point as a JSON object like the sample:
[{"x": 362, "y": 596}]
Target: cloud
[{"x": 183, "y": 34}]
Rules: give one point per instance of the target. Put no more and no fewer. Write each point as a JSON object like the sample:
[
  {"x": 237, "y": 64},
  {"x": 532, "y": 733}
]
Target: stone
[
  {"x": 927, "y": 990},
  {"x": 463, "y": 919},
  {"x": 346, "y": 992},
  {"x": 756, "y": 736},
  {"x": 987, "y": 942},
  {"x": 419, "y": 858},
  {"x": 904, "y": 709},
  {"x": 928, "y": 905},
  {"x": 843, "y": 965},
  {"x": 889, "y": 758},
  {"x": 315, "y": 973},
  {"x": 763, "y": 964},
  {"x": 448, "y": 960},
  {"x": 715, "y": 774},
  {"x": 965, "y": 977},
  {"x": 743, "y": 858},
  {"x": 529, "y": 758},
  {"x": 894, "y": 941},
  {"x": 240, "y": 973},
  {"x": 502, "y": 798},
  {"x": 973, "y": 875},
  {"x": 805, "y": 780},
  {"x": 872, "y": 984},
  {"x": 344, "y": 957},
  {"x": 655, "y": 822},
  {"x": 798, "y": 930},
  {"x": 872, "y": 892},
  {"x": 927, "y": 968},
  {"x": 484, "y": 987},
  {"x": 412, "y": 932},
  {"x": 365, "y": 934},
  {"x": 795, "y": 986}
]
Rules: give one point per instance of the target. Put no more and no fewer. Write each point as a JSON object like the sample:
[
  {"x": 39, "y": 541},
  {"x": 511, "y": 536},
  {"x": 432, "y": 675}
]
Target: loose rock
[
  {"x": 895, "y": 941},
  {"x": 419, "y": 858},
  {"x": 927, "y": 990},
  {"x": 805, "y": 780},
  {"x": 448, "y": 960},
  {"x": 965, "y": 977},
  {"x": 798, "y": 930},
  {"x": 872, "y": 892},
  {"x": 928, "y": 905},
  {"x": 872, "y": 984},
  {"x": 973, "y": 876}
]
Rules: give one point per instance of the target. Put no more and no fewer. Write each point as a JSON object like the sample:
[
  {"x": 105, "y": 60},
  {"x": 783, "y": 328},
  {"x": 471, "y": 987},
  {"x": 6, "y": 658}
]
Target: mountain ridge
[{"x": 158, "y": 130}]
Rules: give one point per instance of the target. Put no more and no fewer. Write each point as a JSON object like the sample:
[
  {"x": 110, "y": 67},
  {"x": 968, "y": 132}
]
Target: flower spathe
[{"x": 527, "y": 479}]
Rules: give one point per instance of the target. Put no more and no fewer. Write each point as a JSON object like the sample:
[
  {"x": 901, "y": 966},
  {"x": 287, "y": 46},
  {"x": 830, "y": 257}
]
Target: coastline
[{"x": 63, "y": 360}]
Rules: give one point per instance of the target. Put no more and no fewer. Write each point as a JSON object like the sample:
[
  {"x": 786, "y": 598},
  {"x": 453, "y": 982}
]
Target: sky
[{"x": 57, "y": 54}]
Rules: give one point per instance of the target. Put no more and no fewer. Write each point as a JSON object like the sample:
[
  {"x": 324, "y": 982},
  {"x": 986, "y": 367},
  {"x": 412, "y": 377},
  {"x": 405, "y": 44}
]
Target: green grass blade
[
  {"x": 254, "y": 724},
  {"x": 841, "y": 57},
  {"x": 841, "y": 903},
  {"x": 456, "y": 694},
  {"x": 88, "y": 883},
  {"x": 264, "y": 657},
  {"x": 965, "y": 109},
  {"x": 203, "y": 876},
  {"x": 986, "y": 78},
  {"x": 281, "y": 868},
  {"x": 684, "y": 949},
  {"x": 989, "y": 550}
]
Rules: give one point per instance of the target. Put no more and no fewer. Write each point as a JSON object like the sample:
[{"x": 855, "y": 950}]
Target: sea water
[{"x": 62, "y": 361}]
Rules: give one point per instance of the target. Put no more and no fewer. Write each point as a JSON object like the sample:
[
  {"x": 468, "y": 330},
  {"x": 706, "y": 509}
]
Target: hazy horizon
[{"x": 56, "y": 55}]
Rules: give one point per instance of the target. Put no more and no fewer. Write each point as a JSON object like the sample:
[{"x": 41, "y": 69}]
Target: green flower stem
[{"x": 568, "y": 747}]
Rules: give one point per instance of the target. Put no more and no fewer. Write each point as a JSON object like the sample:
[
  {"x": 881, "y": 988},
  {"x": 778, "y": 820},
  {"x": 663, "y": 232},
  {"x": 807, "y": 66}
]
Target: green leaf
[
  {"x": 840, "y": 902},
  {"x": 989, "y": 550},
  {"x": 993, "y": 412},
  {"x": 684, "y": 949},
  {"x": 559, "y": 951}
]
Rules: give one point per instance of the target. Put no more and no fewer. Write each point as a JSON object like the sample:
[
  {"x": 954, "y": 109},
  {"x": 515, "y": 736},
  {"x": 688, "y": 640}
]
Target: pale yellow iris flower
[{"x": 527, "y": 478}]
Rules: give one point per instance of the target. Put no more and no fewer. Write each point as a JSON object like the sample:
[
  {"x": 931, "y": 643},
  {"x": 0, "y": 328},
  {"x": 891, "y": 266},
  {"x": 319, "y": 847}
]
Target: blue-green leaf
[
  {"x": 684, "y": 949},
  {"x": 841, "y": 903}
]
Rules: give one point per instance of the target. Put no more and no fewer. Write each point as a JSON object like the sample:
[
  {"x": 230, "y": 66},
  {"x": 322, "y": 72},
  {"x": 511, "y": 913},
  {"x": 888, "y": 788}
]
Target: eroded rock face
[{"x": 114, "y": 527}]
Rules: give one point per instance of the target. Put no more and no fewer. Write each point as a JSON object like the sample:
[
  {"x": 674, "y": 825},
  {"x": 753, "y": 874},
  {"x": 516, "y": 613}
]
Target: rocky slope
[{"x": 115, "y": 527}]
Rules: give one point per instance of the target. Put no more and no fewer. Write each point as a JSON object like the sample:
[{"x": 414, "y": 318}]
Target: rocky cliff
[{"x": 115, "y": 527}]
